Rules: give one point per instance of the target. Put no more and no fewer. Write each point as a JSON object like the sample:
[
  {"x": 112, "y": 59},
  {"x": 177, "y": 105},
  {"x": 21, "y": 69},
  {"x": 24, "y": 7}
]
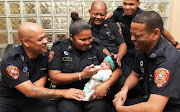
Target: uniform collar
[
  {"x": 158, "y": 45},
  {"x": 25, "y": 58}
]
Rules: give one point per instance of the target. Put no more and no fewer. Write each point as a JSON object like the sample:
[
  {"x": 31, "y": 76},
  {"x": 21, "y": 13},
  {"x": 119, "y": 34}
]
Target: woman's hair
[{"x": 78, "y": 24}]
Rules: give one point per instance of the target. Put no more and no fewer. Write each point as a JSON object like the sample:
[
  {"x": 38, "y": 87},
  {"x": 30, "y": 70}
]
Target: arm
[
  {"x": 170, "y": 38},
  {"x": 121, "y": 52},
  {"x": 101, "y": 90},
  {"x": 41, "y": 82},
  {"x": 33, "y": 91},
  {"x": 156, "y": 103},
  {"x": 130, "y": 82},
  {"x": 57, "y": 77}
]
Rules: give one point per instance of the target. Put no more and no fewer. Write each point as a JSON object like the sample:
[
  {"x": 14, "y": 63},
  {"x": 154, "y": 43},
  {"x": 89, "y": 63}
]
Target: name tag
[{"x": 67, "y": 59}]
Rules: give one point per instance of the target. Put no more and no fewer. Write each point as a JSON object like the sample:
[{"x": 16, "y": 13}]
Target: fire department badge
[
  {"x": 51, "y": 55},
  {"x": 13, "y": 71},
  {"x": 161, "y": 76}
]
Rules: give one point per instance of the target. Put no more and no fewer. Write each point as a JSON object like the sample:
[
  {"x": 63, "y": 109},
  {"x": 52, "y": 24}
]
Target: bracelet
[
  {"x": 176, "y": 44},
  {"x": 79, "y": 75}
]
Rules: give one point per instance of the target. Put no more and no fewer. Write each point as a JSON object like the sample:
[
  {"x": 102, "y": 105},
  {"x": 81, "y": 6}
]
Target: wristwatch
[{"x": 176, "y": 44}]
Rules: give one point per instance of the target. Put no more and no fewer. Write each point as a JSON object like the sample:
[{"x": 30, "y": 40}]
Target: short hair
[
  {"x": 78, "y": 24},
  {"x": 152, "y": 20},
  {"x": 98, "y": 1}
]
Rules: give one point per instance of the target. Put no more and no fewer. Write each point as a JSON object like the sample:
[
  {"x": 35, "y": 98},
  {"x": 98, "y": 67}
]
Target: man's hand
[
  {"x": 120, "y": 97},
  {"x": 74, "y": 94},
  {"x": 178, "y": 46},
  {"x": 118, "y": 59}
]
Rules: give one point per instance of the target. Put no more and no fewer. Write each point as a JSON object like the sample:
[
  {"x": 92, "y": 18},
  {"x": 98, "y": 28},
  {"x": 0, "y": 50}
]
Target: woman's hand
[
  {"x": 89, "y": 71},
  {"x": 74, "y": 94},
  {"x": 100, "y": 92}
]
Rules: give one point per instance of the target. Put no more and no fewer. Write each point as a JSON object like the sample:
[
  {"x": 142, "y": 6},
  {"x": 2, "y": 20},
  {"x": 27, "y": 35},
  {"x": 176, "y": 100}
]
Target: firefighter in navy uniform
[
  {"x": 158, "y": 62},
  {"x": 24, "y": 74},
  {"x": 71, "y": 64},
  {"x": 123, "y": 15}
]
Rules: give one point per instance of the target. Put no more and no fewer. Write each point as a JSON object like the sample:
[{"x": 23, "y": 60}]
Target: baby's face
[{"x": 105, "y": 65}]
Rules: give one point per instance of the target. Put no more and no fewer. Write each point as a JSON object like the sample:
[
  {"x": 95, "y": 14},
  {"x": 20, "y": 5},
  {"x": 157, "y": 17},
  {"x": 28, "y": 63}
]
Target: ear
[
  {"x": 156, "y": 34},
  {"x": 89, "y": 11},
  {"x": 71, "y": 37},
  {"x": 139, "y": 3},
  {"x": 25, "y": 42}
]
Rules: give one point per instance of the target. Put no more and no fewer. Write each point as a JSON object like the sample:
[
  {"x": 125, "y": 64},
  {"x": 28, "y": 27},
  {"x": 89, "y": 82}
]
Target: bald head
[
  {"x": 28, "y": 29},
  {"x": 98, "y": 3}
]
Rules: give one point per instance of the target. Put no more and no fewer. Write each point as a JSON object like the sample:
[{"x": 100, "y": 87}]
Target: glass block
[
  {"x": 29, "y": 8},
  {"x": 86, "y": 18},
  {"x": 162, "y": 7},
  {"x": 77, "y": 7},
  {"x": 4, "y": 38},
  {"x": 109, "y": 8},
  {"x": 149, "y": 6},
  {"x": 49, "y": 37},
  {"x": 31, "y": 19},
  {"x": 14, "y": 7},
  {"x": 61, "y": 8},
  {"x": 88, "y": 6},
  {"x": 15, "y": 23},
  {"x": 45, "y": 7},
  {"x": 14, "y": 37},
  {"x": 3, "y": 25},
  {"x": 61, "y": 23},
  {"x": 61, "y": 36},
  {"x": 46, "y": 22},
  {"x": 117, "y": 4},
  {"x": 2, "y": 8},
  {"x": 2, "y": 49},
  {"x": 165, "y": 21}
]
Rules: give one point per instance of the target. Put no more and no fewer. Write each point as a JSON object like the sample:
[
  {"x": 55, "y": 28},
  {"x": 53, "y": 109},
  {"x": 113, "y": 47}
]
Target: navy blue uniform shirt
[
  {"x": 109, "y": 36},
  {"x": 18, "y": 68},
  {"x": 65, "y": 58},
  {"x": 125, "y": 23},
  {"x": 161, "y": 72}
]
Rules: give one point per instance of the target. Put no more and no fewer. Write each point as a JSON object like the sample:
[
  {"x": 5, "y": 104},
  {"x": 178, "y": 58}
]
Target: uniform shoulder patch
[
  {"x": 161, "y": 76},
  {"x": 105, "y": 51},
  {"x": 51, "y": 56},
  {"x": 13, "y": 71}
]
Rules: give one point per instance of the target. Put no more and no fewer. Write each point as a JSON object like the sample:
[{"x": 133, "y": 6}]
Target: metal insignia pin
[
  {"x": 66, "y": 53},
  {"x": 25, "y": 69}
]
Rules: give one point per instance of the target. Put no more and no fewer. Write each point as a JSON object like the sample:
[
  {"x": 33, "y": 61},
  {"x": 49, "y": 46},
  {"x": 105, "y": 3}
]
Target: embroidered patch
[
  {"x": 51, "y": 55},
  {"x": 13, "y": 71},
  {"x": 161, "y": 76},
  {"x": 105, "y": 51}
]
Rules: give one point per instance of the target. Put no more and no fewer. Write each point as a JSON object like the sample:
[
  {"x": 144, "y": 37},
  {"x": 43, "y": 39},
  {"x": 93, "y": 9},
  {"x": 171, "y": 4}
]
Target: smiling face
[
  {"x": 130, "y": 7},
  {"x": 143, "y": 40},
  {"x": 82, "y": 40},
  {"x": 97, "y": 14},
  {"x": 33, "y": 38}
]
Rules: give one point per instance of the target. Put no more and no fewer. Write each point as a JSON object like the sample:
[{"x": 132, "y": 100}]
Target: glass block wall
[{"x": 54, "y": 16}]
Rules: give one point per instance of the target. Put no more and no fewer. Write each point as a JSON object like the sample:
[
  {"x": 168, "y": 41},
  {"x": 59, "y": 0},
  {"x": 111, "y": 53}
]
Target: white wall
[{"x": 174, "y": 21}]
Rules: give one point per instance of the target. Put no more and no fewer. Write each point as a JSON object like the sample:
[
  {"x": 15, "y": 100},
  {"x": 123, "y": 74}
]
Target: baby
[{"x": 102, "y": 75}]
